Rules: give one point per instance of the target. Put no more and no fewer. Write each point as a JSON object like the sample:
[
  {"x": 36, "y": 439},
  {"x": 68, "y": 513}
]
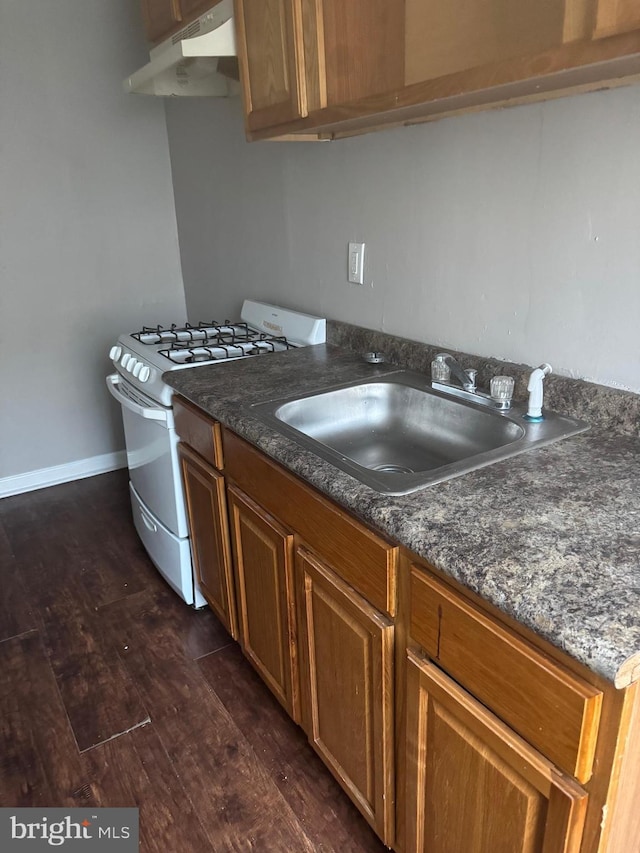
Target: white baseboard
[{"x": 44, "y": 477}]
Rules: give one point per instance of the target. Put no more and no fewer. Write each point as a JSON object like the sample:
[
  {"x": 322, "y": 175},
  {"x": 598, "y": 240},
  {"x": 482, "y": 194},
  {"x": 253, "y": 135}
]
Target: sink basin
[{"x": 397, "y": 434}]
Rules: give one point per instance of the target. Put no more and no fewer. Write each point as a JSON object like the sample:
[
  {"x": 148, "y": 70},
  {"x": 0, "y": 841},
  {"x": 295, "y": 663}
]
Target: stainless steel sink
[{"x": 397, "y": 435}]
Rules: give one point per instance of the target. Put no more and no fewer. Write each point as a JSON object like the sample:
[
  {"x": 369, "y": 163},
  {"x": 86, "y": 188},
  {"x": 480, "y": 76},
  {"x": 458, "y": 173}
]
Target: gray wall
[
  {"x": 509, "y": 233},
  {"x": 88, "y": 241}
]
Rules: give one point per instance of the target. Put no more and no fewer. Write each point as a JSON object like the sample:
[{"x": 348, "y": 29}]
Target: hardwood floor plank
[
  {"x": 236, "y": 801},
  {"x": 100, "y": 698},
  {"x": 102, "y": 553},
  {"x": 6, "y": 553},
  {"x": 16, "y": 614},
  {"x": 119, "y": 566},
  {"x": 120, "y": 569},
  {"x": 330, "y": 820},
  {"x": 38, "y": 755},
  {"x": 240, "y": 806},
  {"x": 160, "y": 616},
  {"x": 56, "y": 549},
  {"x": 134, "y": 770}
]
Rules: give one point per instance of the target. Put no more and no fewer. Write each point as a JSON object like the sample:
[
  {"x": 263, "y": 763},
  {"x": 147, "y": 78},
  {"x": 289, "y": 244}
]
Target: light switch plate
[{"x": 356, "y": 263}]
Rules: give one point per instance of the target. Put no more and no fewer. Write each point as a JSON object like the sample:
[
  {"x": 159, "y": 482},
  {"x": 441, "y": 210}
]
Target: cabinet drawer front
[
  {"x": 547, "y": 705},
  {"x": 199, "y": 431},
  {"x": 362, "y": 559}
]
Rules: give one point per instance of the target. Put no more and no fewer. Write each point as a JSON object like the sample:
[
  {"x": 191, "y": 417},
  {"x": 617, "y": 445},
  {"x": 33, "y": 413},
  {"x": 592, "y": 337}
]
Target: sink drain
[{"x": 393, "y": 469}]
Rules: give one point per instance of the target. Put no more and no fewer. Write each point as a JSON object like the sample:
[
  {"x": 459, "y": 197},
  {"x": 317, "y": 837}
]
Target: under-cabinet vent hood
[{"x": 197, "y": 60}]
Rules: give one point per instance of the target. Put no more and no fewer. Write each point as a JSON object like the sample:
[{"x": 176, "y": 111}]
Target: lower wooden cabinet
[
  {"x": 263, "y": 556},
  {"x": 346, "y": 650},
  {"x": 473, "y": 785},
  {"x": 208, "y": 528}
]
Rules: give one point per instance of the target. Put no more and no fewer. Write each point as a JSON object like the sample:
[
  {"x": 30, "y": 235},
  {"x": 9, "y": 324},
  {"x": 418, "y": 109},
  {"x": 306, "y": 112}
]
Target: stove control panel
[{"x": 131, "y": 364}]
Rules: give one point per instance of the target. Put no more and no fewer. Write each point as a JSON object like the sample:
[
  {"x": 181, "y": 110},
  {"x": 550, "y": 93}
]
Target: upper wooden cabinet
[
  {"x": 192, "y": 8},
  {"x": 162, "y": 17},
  {"x": 355, "y": 49},
  {"x": 301, "y": 56},
  {"x": 270, "y": 53},
  {"x": 616, "y": 16},
  {"x": 443, "y": 38},
  {"x": 339, "y": 68}
]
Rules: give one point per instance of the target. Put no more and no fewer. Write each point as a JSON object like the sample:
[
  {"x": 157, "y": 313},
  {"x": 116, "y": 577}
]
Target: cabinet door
[
  {"x": 209, "y": 531},
  {"x": 271, "y": 61},
  {"x": 160, "y": 16},
  {"x": 347, "y": 682},
  {"x": 352, "y": 50},
  {"x": 192, "y": 8},
  {"x": 473, "y": 785},
  {"x": 616, "y": 16},
  {"x": 263, "y": 553},
  {"x": 444, "y": 38}
]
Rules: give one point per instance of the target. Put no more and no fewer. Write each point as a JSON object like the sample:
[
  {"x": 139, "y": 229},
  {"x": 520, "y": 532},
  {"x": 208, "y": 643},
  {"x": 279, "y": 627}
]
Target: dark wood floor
[{"x": 114, "y": 693}]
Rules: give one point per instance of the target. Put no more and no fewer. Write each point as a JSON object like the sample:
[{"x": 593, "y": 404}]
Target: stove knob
[
  {"x": 131, "y": 364},
  {"x": 115, "y": 353},
  {"x": 126, "y": 358},
  {"x": 145, "y": 373},
  {"x": 137, "y": 367}
]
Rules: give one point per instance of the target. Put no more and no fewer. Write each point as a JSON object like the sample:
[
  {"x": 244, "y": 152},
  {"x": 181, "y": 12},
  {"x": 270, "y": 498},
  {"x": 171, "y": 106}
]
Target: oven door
[{"x": 152, "y": 454}]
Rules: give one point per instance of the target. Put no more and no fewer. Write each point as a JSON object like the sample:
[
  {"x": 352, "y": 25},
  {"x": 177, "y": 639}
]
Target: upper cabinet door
[
  {"x": 193, "y": 8},
  {"x": 353, "y": 50},
  {"x": 446, "y": 38},
  {"x": 160, "y": 16},
  {"x": 616, "y": 16},
  {"x": 270, "y": 52}
]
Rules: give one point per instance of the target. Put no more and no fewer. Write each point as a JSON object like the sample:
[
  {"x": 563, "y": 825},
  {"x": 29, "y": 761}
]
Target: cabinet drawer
[
  {"x": 362, "y": 559},
  {"x": 199, "y": 431},
  {"x": 551, "y": 708}
]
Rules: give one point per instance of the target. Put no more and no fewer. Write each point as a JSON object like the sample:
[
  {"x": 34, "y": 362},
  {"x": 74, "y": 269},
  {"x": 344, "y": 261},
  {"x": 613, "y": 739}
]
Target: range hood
[{"x": 191, "y": 61}]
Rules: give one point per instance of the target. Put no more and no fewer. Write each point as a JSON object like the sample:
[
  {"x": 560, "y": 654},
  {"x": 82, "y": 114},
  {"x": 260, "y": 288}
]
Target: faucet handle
[
  {"x": 471, "y": 373},
  {"x": 440, "y": 371}
]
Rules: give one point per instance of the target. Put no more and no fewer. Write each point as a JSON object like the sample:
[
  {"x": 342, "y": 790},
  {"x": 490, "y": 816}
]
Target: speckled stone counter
[{"x": 550, "y": 537}]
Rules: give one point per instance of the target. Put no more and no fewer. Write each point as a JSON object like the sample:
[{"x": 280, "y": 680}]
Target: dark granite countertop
[{"x": 550, "y": 537}]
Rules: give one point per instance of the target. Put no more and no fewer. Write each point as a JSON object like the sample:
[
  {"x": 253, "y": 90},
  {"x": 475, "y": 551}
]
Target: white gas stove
[{"x": 140, "y": 359}]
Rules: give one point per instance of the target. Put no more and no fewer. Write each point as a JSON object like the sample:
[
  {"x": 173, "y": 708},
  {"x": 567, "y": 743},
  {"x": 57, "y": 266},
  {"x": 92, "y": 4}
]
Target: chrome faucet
[
  {"x": 440, "y": 381},
  {"x": 467, "y": 378}
]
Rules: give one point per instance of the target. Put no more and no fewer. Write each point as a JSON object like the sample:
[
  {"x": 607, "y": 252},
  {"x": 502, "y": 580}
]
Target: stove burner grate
[
  {"x": 190, "y": 334},
  {"x": 225, "y": 346}
]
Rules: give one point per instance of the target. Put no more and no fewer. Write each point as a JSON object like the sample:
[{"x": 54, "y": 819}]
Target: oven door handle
[{"x": 150, "y": 412}]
